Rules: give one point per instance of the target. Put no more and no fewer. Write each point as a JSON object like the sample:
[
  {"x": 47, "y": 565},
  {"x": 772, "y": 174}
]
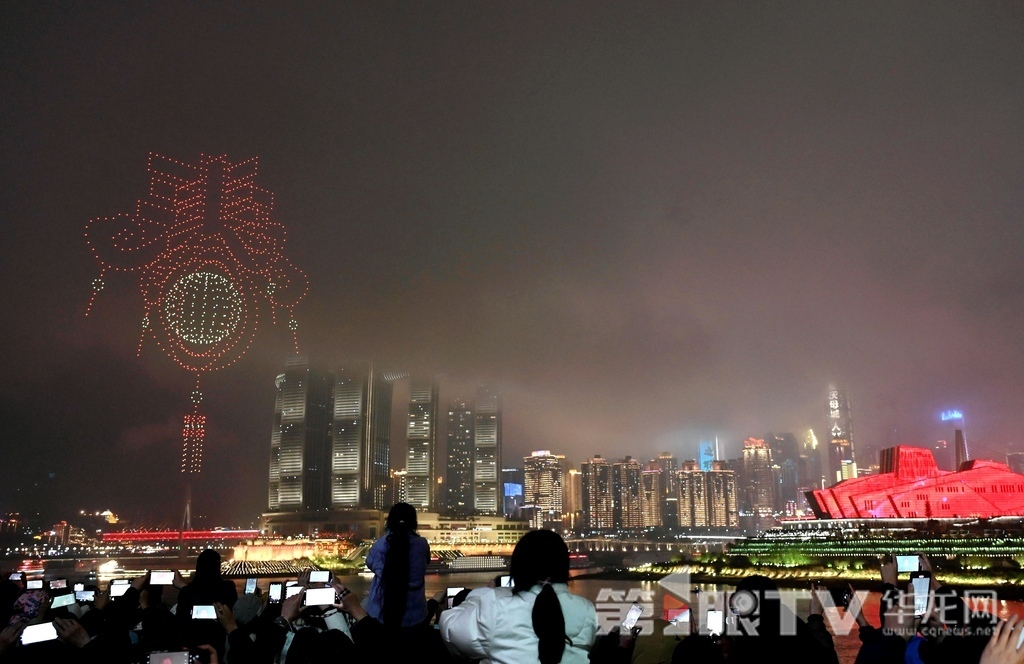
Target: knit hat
[{"x": 246, "y": 608}]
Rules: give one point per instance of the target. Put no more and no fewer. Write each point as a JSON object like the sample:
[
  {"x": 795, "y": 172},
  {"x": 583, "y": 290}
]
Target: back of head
[
  {"x": 401, "y": 517},
  {"x": 541, "y": 557},
  {"x": 207, "y": 567},
  {"x": 758, "y": 606}
]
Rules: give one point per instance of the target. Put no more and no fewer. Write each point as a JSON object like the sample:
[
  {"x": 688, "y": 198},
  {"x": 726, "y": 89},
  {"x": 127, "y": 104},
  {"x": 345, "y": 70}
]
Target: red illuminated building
[{"x": 911, "y": 486}]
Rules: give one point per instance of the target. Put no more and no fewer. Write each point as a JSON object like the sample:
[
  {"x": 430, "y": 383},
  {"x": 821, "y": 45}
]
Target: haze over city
[{"x": 645, "y": 224}]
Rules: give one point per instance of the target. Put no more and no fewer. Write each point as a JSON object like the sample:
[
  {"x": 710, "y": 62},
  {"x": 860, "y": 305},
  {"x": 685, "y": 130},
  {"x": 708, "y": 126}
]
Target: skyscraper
[
  {"x": 597, "y": 493},
  {"x": 459, "y": 474},
  {"x": 487, "y": 490},
  {"x": 652, "y": 495},
  {"x": 421, "y": 456},
  {"x": 361, "y": 437},
  {"x": 693, "y": 495},
  {"x": 572, "y": 500},
  {"x": 707, "y": 498},
  {"x": 329, "y": 446},
  {"x": 842, "y": 461},
  {"x": 670, "y": 499},
  {"x": 707, "y": 454},
  {"x": 300, "y": 439},
  {"x": 759, "y": 482},
  {"x": 626, "y": 502},
  {"x": 542, "y": 487}
]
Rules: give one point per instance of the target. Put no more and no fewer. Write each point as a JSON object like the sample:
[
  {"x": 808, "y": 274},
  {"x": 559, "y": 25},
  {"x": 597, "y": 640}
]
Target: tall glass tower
[
  {"x": 487, "y": 489},
  {"x": 300, "y": 439},
  {"x": 421, "y": 456},
  {"x": 458, "y": 486},
  {"x": 330, "y": 442},
  {"x": 842, "y": 461}
]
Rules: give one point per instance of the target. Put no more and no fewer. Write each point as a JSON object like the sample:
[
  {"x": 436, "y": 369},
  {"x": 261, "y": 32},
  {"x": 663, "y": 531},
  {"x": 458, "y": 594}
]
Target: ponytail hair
[
  {"x": 395, "y": 577},
  {"x": 541, "y": 557},
  {"x": 549, "y": 626}
]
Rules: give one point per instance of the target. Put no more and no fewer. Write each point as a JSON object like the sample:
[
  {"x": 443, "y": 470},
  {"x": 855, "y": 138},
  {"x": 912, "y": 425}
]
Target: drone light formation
[{"x": 210, "y": 266}]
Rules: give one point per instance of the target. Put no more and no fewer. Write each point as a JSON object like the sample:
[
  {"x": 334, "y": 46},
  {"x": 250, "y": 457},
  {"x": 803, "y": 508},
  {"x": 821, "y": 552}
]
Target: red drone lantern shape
[{"x": 210, "y": 268}]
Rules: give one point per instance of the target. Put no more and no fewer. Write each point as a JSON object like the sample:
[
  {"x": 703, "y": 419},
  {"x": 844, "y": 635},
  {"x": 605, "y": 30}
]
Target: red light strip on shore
[{"x": 169, "y": 535}]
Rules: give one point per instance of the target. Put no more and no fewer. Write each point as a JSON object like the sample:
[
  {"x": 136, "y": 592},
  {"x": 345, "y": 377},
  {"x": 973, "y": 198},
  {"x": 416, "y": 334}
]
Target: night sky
[{"x": 647, "y": 223}]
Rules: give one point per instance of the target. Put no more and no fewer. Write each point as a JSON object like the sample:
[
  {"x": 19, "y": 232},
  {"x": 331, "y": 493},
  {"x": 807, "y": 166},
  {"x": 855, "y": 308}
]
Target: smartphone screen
[
  {"x": 118, "y": 589},
  {"x": 506, "y": 581},
  {"x": 79, "y": 586},
  {"x": 62, "y": 600},
  {"x": 291, "y": 591},
  {"x": 36, "y": 633},
  {"x": 161, "y": 577},
  {"x": 908, "y": 563},
  {"x": 450, "y": 594},
  {"x": 204, "y": 612},
  {"x": 34, "y": 584},
  {"x": 58, "y": 584},
  {"x": 715, "y": 621},
  {"x": 250, "y": 585},
  {"x": 318, "y": 597},
  {"x": 15, "y": 576},
  {"x": 85, "y": 595},
  {"x": 921, "y": 586},
  {"x": 632, "y": 616},
  {"x": 320, "y": 576},
  {"x": 169, "y": 658},
  {"x": 681, "y": 616},
  {"x": 275, "y": 591}
]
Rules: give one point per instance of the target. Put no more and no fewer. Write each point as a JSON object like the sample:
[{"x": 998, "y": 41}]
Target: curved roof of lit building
[{"x": 911, "y": 486}]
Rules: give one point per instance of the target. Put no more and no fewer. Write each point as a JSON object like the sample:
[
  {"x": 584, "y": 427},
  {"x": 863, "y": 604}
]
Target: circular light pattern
[
  {"x": 203, "y": 308},
  {"x": 197, "y": 396}
]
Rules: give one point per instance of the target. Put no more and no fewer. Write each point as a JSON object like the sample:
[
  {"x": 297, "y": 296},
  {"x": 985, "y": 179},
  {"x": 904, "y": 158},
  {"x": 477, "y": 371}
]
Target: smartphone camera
[{"x": 275, "y": 592}]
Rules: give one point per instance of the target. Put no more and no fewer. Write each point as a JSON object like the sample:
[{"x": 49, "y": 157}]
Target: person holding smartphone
[
  {"x": 206, "y": 587},
  {"x": 765, "y": 624},
  {"x": 538, "y": 619}
]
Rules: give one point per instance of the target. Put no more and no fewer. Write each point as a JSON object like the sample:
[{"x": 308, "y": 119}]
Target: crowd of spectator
[{"x": 534, "y": 618}]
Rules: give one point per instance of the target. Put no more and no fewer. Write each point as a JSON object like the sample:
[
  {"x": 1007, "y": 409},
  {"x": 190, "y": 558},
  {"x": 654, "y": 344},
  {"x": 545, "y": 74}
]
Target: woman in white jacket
[{"x": 538, "y": 620}]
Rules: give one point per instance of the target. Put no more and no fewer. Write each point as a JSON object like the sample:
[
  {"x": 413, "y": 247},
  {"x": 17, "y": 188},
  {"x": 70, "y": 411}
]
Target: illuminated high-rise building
[
  {"x": 329, "y": 447},
  {"x": 723, "y": 499},
  {"x": 572, "y": 500},
  {"x": 300, "y": 458},
  {"x": 842, "y": 460},
  {"x": 458, "y": 484},
  {"x": 626, "y": 503},
  {"x": 670, "y": 500},
  {"x": 708, "y": 498},
  {"x": 597, "y": 494},
  {"x": 652, "y": 496},
  {"x": 707, "y": 454},
  {"x": 487, "y": 489},
  {"x": 421, "y": 462},
  {"x": 542, "y": 487},
  {"x": 759, "y": 483},
  {"x": 361, "y": 437},
  {"x": 692, "y": 488}
]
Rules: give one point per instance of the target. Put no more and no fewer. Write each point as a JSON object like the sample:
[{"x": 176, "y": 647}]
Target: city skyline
[{"x": 643, "y": 226}]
